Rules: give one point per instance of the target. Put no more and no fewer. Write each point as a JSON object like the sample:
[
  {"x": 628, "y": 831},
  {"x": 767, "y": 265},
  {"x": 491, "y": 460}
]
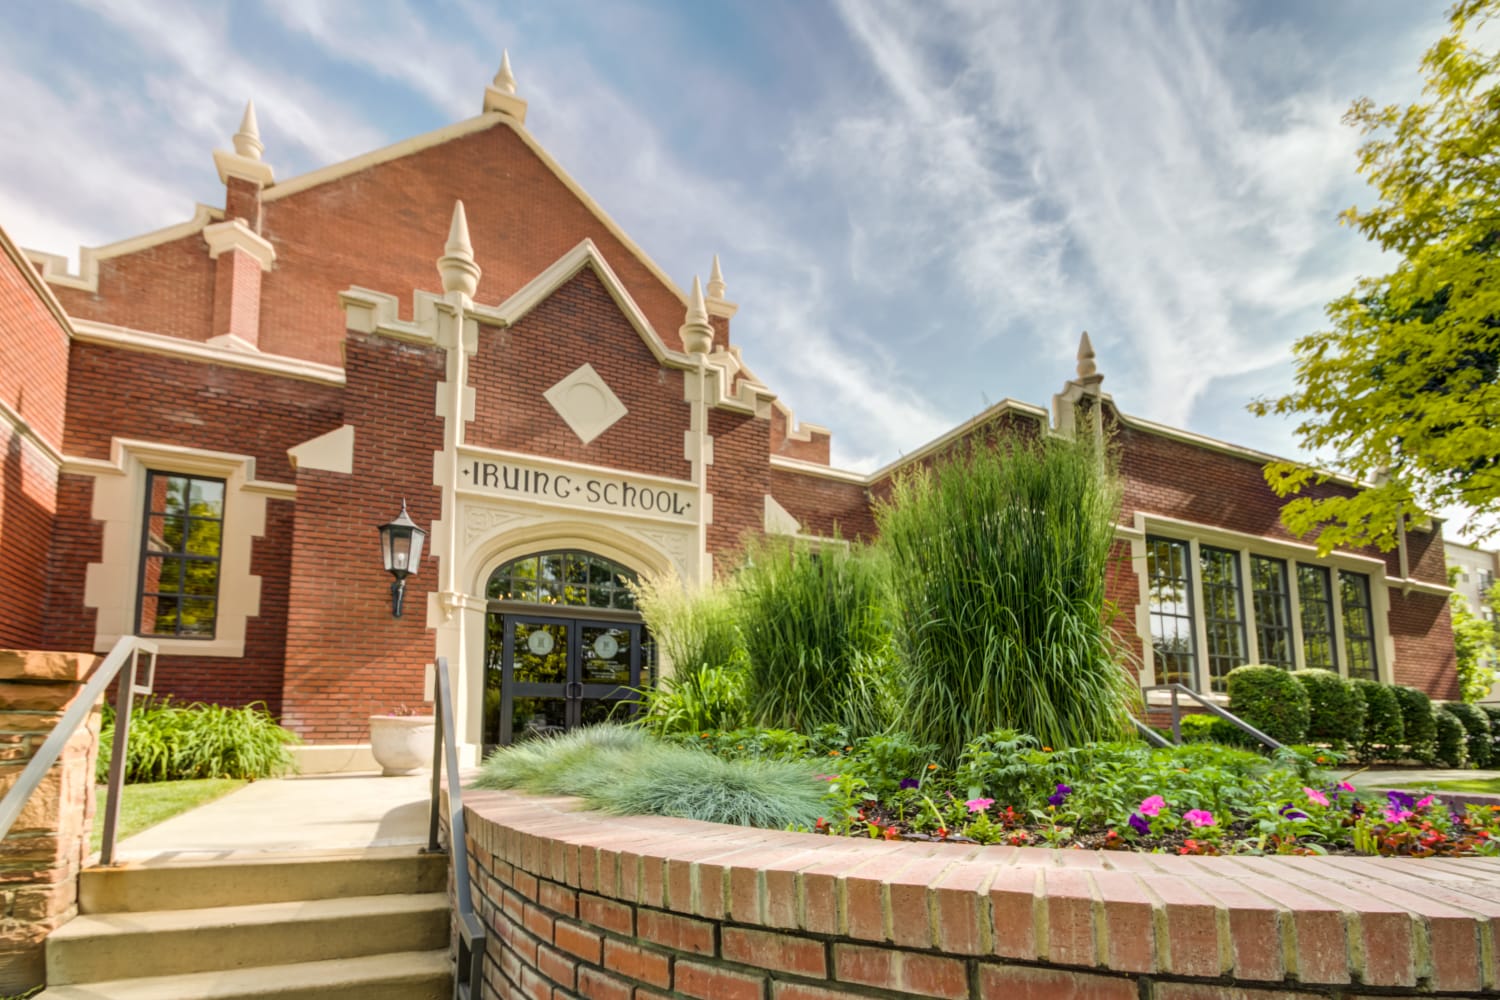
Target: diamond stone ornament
[{"x": 586, "y": 403}]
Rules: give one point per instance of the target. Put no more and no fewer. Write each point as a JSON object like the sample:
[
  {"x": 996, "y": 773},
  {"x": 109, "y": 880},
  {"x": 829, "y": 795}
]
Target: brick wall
[
  {"x": 824, "y": 506},
  {"x": 28, "y": 504},
  {"x": 815, "y": 449},
  {"x": 167, "y": 288},
  {"x": 739, "y": 480},
  {"x": 346, "y": 656},
  {"x": 579, "y": 323},
  {"x": 582, "y": 904}
]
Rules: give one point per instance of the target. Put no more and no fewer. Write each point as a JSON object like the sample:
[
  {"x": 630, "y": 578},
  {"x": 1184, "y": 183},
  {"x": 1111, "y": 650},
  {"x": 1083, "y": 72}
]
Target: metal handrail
[
  {"x": 1150, "y": 735},
  {"x": 126, "y": 653},
  {"x": 471, "y": 937},
  {"x": 1229, "y": 717}
]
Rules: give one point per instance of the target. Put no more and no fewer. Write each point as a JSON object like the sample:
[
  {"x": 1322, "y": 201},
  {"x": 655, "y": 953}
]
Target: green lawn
[
  {"x": 143, "y": 806},
  {"x": 1479, "y": 786}
]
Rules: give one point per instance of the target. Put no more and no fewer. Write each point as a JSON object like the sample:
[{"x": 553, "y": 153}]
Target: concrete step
[
  {"x": 106, "y": 946},
  {"x": 408, "y": 975},
  {"x": 241, "y": 881}
]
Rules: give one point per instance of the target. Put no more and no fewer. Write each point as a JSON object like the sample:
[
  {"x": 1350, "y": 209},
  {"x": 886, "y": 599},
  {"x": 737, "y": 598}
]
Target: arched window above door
[{"x": 570, "y": 578}]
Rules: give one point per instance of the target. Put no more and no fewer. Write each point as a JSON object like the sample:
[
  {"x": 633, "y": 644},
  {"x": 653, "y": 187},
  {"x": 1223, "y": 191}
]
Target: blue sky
[{"x": 919, "y": 205}]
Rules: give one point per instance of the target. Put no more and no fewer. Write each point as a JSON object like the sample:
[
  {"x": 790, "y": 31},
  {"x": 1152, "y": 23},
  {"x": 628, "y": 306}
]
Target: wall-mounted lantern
[{"x": 401, "y": 546}]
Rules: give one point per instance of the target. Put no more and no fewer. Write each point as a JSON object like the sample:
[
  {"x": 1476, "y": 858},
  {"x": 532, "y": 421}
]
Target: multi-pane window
[
  {"x": 1223, "y": 612},
  {"x": 1171, "y": 609},
  {"x": 572, "y": 578},
  {"x": 1273, "y": 611},
  {"x": 1315, "y": 595},
  {"x": 1359, "y": 624},
  {"x": 180, "y": 555}
]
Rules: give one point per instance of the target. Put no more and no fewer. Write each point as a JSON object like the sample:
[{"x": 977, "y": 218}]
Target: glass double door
[{"x": 555, "y": 674}]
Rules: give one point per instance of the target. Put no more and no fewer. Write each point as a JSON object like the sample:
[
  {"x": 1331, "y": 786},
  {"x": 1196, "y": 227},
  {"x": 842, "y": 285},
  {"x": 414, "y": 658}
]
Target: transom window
[
  {"x": 1297, "y": 615},
  {"x": 181, "y": 548},
  {"x": 570, "y": 578}
]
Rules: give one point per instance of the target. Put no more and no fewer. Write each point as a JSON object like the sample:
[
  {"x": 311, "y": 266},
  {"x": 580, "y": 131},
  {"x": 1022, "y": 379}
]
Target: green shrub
[
  {"x": 622, "y": 771},
  {"x": 1384, "y": 733},
  {"x": 885, "y": 761},
  {"x": 1492, "y": 712},
  {"x": 1271, "y": 700},
  {"x": 1417, "y": 722},
  {"x": 1197, "y": 728},
  {"x": 817, "y": 637},
  {"x": 171, "y": 742},
  {"x": 1336, "y": 710},
  {"x": 708, "y": 698},
  {"x": 1476, "y": 731},
  {"x": 999, "y": 555},
  {"x": 1451, "y": 745}
]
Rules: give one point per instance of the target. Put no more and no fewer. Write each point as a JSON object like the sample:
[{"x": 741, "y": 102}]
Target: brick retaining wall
[{"x": 642, "y": 908}]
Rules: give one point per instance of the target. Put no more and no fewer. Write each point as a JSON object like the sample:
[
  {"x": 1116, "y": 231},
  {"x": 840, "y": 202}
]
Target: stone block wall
[
  {"x": 579, "y": 904},
  {"x": 41, "y": 856}
]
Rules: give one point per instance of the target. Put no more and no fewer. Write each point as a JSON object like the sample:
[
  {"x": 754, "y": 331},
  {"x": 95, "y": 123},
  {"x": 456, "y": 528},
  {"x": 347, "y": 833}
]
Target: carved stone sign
[{"x": 573, "y": 486}]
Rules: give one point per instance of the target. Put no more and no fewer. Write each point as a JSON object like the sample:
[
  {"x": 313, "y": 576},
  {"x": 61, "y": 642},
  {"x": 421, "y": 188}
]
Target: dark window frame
[
  {"x": 181, "y": 555},
  {"x": 1325, "y": 599},
  {"x": 1269, "y": 631},
  {"x": 1187, "y": 674},
  {"x": 1223, "y": 632},
  {"x": 600, "y": 575},
  {"x": 1363, "y": 640}
]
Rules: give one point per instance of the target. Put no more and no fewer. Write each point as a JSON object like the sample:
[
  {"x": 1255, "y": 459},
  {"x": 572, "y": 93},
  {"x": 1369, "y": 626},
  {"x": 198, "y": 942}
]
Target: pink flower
[
  {"x": 1344, "y": 786},
  {"x": 979, "y": 805},
  {"x": 1199, "y": 817},
  {"x": 1395, "y": 815},
  {"x": 1313, "y": 795},
  {"x": 1426, "y": 801},
  {"x": 1152, "y": 805}
]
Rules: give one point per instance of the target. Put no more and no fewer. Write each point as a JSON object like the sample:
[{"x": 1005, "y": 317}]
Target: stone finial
[
  {"x": 247, "y": 140},
  {"x": 716, "y": 286},
  {"x": 1086, "y": 367},
  {"x": 505, "y": 80},
  {"x": 697, "y": 335},
  {"x": 500, "y": 95},
  {"x": 456, "y": 266}
]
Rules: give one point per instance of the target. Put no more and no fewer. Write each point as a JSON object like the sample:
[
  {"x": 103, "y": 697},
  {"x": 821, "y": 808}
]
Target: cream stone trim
[
  {"x": 28, "y": 433},
  {"x": 89, "y": 331},
  {"x": 26, "y": 262},
  {"x": 245, "y": 168},
  {"x": 54, "y": 266},
  {"x": 796, "y": 431},
  {"x": 235, "y": 235},
  {"x": 331, "y": 452},
  {"x": 778, "y": 520},
  {"x": 1247, "y": 545},
  {"x": 111, "y": 585},
  {"x": 805, "y": 468},
  {"x": 369, "y": 311}
]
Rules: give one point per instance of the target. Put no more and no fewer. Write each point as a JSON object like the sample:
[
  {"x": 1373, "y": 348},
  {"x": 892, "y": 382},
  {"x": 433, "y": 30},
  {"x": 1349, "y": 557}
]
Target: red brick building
[{"x": 203, "y": 427}]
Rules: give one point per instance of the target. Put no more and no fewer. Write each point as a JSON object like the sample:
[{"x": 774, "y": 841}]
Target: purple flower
[
  {"x": 910, "y": 783},
  {"x": 1289, "y": 813},
  {"x": 1060, "y": 796},
  {"x": 1140, "y": 824},
  {"x": 1400, "y": 801}
]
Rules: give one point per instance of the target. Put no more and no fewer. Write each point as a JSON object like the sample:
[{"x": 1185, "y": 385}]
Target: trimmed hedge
[
  {"x": 1493, "y": 712},
  {"x": 1384, "y": 732},
  {"x": 1452, "y": 739},
  {"x": 1417, "y": 721},
  {"x": 1336, "y": 706},
  {"x": 1476, "y": 731},
  {"x": 1271, "y": 700}
]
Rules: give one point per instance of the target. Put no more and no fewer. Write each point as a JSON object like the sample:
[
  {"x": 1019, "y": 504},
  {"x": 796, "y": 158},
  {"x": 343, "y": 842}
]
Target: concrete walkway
[
  {"x": 1400, "y": 777},
  {"x": 312, "y": 813}
]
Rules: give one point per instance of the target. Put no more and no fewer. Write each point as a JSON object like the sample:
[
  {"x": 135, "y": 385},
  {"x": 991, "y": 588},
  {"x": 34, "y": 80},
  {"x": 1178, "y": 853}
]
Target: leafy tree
[
  {"x": 1404, "y": 390},
  {"x": 1474, "y": 646}
]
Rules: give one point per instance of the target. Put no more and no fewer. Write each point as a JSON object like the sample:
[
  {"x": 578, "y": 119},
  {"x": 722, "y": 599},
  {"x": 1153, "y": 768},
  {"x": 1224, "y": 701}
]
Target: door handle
[{"x": 574, "y": 691}]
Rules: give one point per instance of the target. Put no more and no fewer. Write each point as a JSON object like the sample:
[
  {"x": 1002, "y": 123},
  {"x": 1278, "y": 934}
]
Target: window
[
  {"x": 1359, "y": 624},
  {"x": 1171, "y": 609},
  {"x": 580, "y": 579},
  {"x": 1223, "y": 612},
  {"x": 1315, "y": 595},
  {"x": 181, "y": 549},
  {"x": 1273, "y": 611}
]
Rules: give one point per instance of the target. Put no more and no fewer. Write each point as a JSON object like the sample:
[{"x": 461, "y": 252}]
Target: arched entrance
[{"x": 564, "y": 645}]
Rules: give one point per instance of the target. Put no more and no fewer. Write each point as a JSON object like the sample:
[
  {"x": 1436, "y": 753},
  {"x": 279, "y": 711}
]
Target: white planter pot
[{"x": 402, "y": 744}]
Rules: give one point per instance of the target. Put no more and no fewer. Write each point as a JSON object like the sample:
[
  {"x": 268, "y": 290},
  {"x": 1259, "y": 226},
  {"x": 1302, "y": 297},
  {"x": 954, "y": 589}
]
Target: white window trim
[
  {"x": 112, "y": 584},
  {"x": 1196, "y": 535}
]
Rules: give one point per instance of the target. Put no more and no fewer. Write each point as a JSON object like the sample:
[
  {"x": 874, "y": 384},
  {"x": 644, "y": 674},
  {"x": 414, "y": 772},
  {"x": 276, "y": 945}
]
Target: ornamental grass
[{"x": 998, "y": 559}]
